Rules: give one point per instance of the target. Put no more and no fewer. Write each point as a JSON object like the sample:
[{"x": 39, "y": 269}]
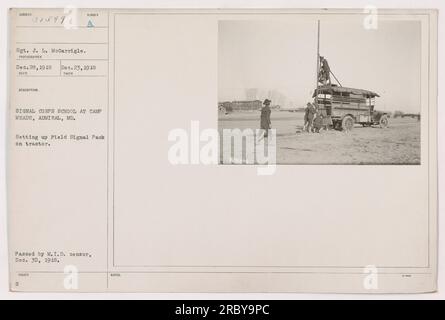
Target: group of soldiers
[{"x": 314, "y": 119}]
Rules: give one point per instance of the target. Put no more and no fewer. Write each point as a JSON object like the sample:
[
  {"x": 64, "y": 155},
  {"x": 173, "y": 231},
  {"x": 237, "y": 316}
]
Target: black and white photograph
[
  {"x": 221, "y": 152},
  {"x": 334, "y": 92}
]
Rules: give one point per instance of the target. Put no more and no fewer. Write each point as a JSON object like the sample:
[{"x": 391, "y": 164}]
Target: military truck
[{"x": 348, "y": 106}]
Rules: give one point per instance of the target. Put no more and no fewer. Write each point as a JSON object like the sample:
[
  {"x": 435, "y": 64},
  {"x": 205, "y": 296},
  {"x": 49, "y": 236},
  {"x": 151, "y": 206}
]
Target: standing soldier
[
  {"x": 318, "y": 122},
  {"x": 265, "y": 117},
  {"x": 309, "y": 114}
]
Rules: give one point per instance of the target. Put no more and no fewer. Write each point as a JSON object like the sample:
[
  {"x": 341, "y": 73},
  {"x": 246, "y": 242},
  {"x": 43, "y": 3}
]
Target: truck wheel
[
  {"x": 347, "y": 123},
  {"x": 383, "y": 122}
]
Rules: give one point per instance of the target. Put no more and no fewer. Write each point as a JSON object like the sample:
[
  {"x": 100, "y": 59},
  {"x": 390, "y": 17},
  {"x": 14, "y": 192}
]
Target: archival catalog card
[{"x": 222, "y": 150}]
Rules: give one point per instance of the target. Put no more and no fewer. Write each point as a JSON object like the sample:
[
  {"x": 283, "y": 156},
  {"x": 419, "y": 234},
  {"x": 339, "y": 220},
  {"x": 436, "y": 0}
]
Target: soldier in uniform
[
  {"x": 309, "y": 114},
  {"x": 265, "y": 117},
  {"x": 325, "y": 72},
  {"x": 318, "y": 122}
]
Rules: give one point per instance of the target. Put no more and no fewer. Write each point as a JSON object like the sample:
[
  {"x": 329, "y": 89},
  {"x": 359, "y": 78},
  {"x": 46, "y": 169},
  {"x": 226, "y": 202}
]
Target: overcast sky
[{"x": 281, "y": 56}]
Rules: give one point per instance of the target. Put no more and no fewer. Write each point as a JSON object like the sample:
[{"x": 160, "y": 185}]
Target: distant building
[{"x": 241, "y": 105}]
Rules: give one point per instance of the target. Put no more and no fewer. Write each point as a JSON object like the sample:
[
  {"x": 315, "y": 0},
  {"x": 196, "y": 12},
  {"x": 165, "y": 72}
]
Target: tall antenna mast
[{"x": 318, "y": 62}]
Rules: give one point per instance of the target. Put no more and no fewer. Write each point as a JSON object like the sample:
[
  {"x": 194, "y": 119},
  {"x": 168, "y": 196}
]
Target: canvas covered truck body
[{"x": 348, "y": 106}]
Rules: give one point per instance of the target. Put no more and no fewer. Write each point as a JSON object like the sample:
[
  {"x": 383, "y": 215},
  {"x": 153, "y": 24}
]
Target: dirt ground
[{"x": 397, "y": 144}]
